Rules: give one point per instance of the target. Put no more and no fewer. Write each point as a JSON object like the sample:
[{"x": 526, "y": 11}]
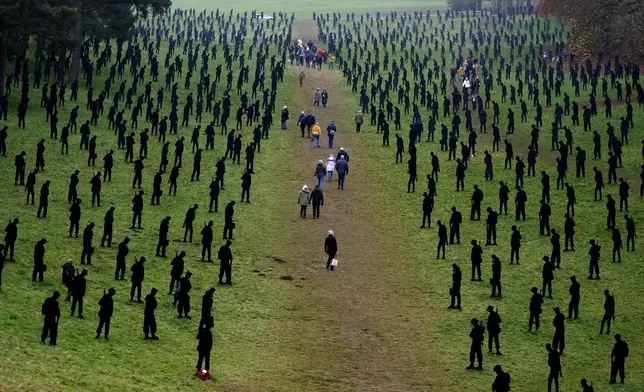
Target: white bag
[{"x": 334, "y": 262}]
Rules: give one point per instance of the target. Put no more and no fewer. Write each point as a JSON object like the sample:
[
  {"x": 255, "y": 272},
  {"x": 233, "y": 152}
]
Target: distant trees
[
  {"x": 47, "y": 21},
  {"x": 494, "y": 5},
  {"x": 609, "y": 26},
  {"x": 465, "y": 5},
  {"x": 504, "y": 5},
  {"x": 108, "y": 19},
  {"x": 63, "y": 25}
]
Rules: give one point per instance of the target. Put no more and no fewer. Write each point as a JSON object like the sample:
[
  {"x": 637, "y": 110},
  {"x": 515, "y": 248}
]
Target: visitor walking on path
[
  {"x": 284, "y": 117},
  {"x": 302, "y": 76},
  {"x": 316, "y": 97},
  {"x": 317, "y": 200},
  {"x": 330, "y": 167},
  {"x": 342, "y": 167},
  {"x": 325, "y": 97},
  {"x": 303, "y": 200},
  {"x": 331, "y": 129},
  {"x": 359, "y": 119},
  {"x": 320, "y": 171},
  {"x": 315, "y": 133},
  {"x": 331, "y": 249},
  {"x": 301, "y": 122}
]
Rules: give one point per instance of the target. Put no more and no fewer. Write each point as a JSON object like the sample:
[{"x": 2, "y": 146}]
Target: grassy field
[
  {"x": 378, "y": 323},
  {"x": 588, "y": 353}
]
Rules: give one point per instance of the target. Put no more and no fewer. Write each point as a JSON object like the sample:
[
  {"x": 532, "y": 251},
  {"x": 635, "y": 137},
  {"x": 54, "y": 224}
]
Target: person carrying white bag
[{"x": 331, "y": 249}]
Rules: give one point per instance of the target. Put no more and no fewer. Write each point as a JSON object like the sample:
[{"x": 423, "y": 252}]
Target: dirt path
[{"x": 359, "y": 324}]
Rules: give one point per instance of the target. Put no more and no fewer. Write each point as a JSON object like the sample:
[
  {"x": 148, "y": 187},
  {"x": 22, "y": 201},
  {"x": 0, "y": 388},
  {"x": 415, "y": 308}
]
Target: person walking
[
  {"x": 320, "y": 171},
  {"x": 315, "y": 134},
  {"x": 324, "y": 96},
  {"x": 331, "y": 129},
  {"x": 301, "y": 78},
  {"x": 342, "y": 167},
  {"x": 330, "y": 167},
  {"x": 359, "y": 119},
  {"x": 317, "y": 200},
  {"x": 284, "y": 116},
  {"x": 304, "y": 199},
  {"x": 331, "y": 249}
]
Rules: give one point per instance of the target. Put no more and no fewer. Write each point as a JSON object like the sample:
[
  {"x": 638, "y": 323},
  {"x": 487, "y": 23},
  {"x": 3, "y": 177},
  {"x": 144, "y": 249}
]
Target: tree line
[
  {"x": 61, "y": 26},
  {"x": 608, "y": 26}
]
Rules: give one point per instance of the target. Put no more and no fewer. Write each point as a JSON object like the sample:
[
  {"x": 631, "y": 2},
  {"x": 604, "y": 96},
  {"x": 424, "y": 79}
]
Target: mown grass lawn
[{"x": 273, "y": 334}]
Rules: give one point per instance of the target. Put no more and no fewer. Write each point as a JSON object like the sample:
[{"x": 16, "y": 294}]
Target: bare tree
[{"x": 610, "y": 26}]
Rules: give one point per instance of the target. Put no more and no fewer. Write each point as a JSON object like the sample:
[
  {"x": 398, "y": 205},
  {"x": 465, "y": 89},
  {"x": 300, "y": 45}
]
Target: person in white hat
[
  {"x": 301, "y": 122},
  {"x": 330, "y": 166},
  {"x": 330, "y": 248},
  {"x": 284, "y": 116},
  {"x": 303, "y": 200}
]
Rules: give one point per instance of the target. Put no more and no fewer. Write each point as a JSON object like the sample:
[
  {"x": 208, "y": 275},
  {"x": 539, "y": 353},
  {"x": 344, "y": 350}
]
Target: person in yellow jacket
[
  {"x": 315, "y": 133},
  {"x": 331, "y": 61}
]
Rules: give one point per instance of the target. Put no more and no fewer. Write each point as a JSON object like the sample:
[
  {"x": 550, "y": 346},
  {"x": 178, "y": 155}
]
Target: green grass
[
  {"x": 248, "y": 319},
  {"x": 587, "y": 354},
  {"x": 380, "y": 322}
]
